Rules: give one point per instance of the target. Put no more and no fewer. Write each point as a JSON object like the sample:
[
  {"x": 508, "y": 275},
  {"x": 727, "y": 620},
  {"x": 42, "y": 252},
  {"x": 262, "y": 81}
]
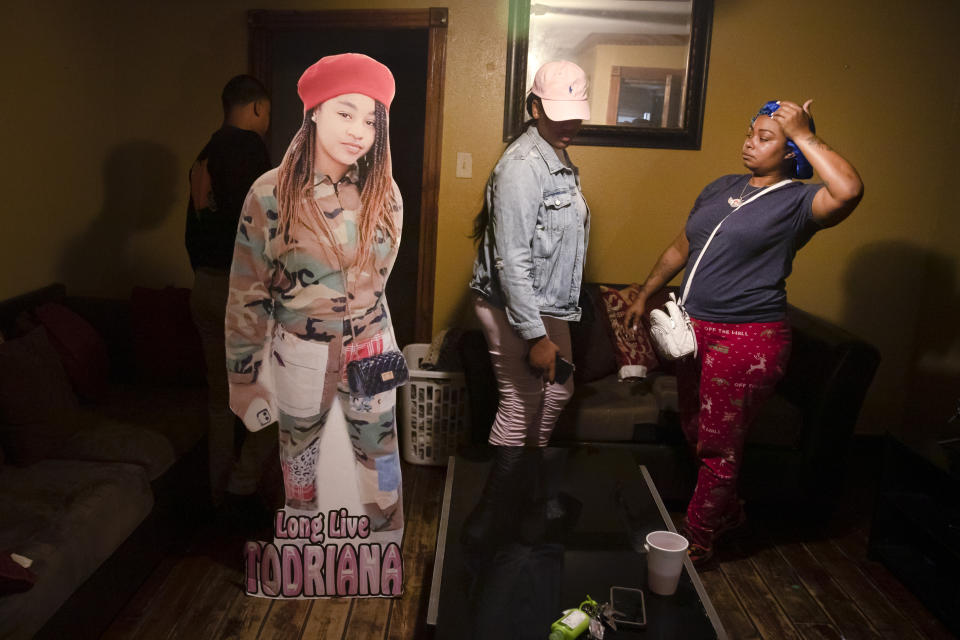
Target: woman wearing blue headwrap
[{"x": 737, "y": 304}]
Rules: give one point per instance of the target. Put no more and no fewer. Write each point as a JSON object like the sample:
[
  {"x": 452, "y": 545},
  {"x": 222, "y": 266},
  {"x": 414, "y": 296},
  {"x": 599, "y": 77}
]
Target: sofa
[
  {"x": 102, "y": 463},
  {"x": 795, "y": 451}
]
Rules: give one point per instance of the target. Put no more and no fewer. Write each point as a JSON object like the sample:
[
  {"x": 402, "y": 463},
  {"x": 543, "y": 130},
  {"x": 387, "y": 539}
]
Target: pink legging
[
  {"x": 529, "y": 407},
  {"x": 720, "y": 394}
]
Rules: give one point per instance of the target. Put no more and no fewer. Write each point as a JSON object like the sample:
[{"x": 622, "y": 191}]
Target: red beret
[{"x": 345, "y": 73}]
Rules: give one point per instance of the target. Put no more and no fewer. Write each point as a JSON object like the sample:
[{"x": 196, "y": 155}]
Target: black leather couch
[{"x": 796, "y": 449}]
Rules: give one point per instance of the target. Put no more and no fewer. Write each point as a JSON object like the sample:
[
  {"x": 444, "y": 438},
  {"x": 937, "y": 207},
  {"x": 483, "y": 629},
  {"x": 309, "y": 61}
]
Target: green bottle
[{"x": 573, "y": 623}]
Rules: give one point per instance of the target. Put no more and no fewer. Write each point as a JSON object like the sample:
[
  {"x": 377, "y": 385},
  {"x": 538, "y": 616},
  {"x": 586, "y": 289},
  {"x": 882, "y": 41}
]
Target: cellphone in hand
[
  {"x": 562, "y": 370},
  {"x": 628, "y": 607}
]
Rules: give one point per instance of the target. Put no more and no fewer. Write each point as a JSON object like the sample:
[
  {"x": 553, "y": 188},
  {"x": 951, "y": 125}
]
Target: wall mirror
[{"x": 646, "y": 65}]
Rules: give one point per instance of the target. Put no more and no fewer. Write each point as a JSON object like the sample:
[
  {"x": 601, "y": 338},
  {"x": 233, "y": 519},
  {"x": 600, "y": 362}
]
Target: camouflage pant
[{"x": 307, "y": 380}]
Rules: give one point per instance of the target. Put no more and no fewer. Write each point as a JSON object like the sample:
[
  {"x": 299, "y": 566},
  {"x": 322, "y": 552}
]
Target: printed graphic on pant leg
[
  {"x": 299, "y": 474},
  {"x": 373, "y": 434}
]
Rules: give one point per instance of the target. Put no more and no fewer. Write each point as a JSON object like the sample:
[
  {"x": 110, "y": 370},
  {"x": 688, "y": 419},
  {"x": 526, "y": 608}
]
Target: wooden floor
[{"x": 780, "y": 579}]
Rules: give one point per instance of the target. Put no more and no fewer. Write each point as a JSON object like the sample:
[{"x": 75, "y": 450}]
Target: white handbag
[
  {"x": 670, "y": 328},
  {"x": 672, "y": 332}
]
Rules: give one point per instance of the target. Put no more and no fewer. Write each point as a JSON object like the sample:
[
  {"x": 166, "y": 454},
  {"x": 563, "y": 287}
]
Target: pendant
[{"x": 734, "y": 202}]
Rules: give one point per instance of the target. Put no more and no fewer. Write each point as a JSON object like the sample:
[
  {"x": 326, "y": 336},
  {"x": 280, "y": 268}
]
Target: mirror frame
[{"x": 686, "y": 137}]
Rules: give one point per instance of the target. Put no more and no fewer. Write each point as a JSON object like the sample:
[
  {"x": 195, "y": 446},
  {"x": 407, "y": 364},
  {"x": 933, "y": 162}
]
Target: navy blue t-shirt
[{"x": 742, "y": 277}]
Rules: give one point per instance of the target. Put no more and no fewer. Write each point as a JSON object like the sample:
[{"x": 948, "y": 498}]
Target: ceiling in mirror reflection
[{"x": 616, "y": 42}]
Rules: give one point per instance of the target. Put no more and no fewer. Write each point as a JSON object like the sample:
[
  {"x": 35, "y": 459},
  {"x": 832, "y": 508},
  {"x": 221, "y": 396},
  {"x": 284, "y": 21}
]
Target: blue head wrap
[{"x": 801, "y": 167}]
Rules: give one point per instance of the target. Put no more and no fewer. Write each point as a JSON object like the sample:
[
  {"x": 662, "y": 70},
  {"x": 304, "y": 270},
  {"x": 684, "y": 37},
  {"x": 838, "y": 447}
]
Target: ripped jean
[{"x": 529, "y": 407}]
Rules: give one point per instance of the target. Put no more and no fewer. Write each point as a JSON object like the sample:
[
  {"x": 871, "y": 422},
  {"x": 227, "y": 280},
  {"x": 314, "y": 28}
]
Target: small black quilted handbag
[{"x": 376, "y": 374}]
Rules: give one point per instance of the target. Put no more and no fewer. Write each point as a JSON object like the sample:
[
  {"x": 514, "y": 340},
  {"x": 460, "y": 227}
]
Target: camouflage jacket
[{"x": 299, "y": 283}]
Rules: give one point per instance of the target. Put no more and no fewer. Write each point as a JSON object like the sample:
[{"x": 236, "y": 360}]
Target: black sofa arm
[{"x": 828, "y": 376}]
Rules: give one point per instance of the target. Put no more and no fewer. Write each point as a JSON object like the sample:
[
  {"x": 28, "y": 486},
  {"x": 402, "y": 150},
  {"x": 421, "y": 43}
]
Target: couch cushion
[
  {"x": 607, "y": 410},
  {"x": 109, "y": 440},
  {"x": 81, "y": 349},
  {"x": 664, "y": 388},
  {"x": 179, "y": 413},
  {"x": 37, "y": 404},
  {"x": 68, "y": 517}
]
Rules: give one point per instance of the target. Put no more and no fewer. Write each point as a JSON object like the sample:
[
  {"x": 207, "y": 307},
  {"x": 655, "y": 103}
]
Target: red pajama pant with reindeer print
[{"x": 720, "y": 393}]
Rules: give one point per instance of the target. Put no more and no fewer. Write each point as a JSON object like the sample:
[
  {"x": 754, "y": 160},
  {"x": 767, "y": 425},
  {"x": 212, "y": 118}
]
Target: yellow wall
[{"x": 106, "y": 104}]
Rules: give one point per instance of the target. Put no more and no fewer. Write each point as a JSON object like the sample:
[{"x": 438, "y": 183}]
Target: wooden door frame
[{"x": 264, "y": 25}]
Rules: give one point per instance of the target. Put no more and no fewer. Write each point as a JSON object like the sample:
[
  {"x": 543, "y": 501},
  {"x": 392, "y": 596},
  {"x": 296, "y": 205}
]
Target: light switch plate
[{"x": 464, "y": 165}]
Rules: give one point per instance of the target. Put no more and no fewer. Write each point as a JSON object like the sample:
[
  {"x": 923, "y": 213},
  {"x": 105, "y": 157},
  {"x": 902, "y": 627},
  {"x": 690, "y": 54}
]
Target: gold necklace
[{"x": 736, "y": 202}]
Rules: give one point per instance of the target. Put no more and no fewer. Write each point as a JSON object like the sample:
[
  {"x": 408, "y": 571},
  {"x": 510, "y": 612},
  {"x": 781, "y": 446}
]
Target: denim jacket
[{"x": 530, "y": 258}]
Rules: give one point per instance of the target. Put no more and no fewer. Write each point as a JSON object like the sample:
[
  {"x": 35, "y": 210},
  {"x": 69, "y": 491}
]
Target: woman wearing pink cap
[
  {"x": 316, "y": 242},
  {"x": 532, "y": 240}
]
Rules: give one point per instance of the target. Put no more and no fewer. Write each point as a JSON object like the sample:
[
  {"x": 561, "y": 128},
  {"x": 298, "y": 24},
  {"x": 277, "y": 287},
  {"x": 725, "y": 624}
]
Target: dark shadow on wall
[
  {"x": 905, "y": 299},
  {"x": 139, "y": 187}
]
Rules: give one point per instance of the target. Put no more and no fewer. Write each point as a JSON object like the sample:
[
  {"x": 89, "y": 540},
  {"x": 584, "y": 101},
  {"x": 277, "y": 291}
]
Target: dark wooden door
[{"x": 412, "y": 45}]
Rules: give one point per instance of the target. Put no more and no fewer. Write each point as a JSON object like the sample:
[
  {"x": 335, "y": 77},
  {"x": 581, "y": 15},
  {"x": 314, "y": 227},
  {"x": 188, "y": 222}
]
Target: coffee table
[{"x": 512, "y": 589}]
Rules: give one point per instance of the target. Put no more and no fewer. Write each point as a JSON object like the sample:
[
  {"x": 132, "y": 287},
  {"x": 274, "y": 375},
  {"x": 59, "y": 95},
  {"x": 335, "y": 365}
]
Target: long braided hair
[{"x": 377, "y": 205}]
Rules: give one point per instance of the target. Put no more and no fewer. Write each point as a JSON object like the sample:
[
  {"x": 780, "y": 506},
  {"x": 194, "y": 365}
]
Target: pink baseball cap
[{"x": 562, "y": 88}]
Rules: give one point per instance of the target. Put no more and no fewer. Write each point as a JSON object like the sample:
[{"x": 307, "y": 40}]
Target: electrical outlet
[{"x": 464, "y": 165}]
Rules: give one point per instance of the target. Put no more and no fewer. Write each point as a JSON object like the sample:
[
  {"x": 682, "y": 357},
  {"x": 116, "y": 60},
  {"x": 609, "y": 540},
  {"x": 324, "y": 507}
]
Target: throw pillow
[
  {"x": 81, "y": 349},
  {"x": 634, "y": 352},
  {"x": 166, "y": 344},
  {"x": 108, "y": 440},
  {"x": 37, "y": 404}
]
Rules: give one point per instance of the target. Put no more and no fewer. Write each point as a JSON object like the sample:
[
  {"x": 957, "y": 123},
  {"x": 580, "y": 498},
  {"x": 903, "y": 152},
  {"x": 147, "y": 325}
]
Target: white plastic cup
[{"x": 665, "y": 553}]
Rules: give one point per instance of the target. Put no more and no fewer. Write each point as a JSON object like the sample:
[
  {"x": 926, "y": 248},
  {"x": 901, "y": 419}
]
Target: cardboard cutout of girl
[{"x": 316, "y": 241}]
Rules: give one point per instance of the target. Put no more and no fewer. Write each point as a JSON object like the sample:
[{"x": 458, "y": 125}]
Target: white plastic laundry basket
[{"x": 433, "y": 411}]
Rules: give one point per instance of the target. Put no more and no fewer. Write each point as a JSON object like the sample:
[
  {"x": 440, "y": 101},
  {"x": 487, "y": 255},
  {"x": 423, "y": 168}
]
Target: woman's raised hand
[{"x": 794, "y": 119}]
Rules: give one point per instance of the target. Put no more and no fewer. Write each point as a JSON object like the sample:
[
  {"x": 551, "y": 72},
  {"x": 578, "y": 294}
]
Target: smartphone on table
[{"x": 629, "y": 610}]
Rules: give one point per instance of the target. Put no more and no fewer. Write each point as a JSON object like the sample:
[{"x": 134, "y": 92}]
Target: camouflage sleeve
[
  {"x": 398, "y": 200},
  {"x": 249, "y": 313},
  {"x": 397, "y": 214}
]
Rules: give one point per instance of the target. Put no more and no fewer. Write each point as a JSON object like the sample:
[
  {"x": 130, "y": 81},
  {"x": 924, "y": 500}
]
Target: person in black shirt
[{"x": 234, "y": 157}]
